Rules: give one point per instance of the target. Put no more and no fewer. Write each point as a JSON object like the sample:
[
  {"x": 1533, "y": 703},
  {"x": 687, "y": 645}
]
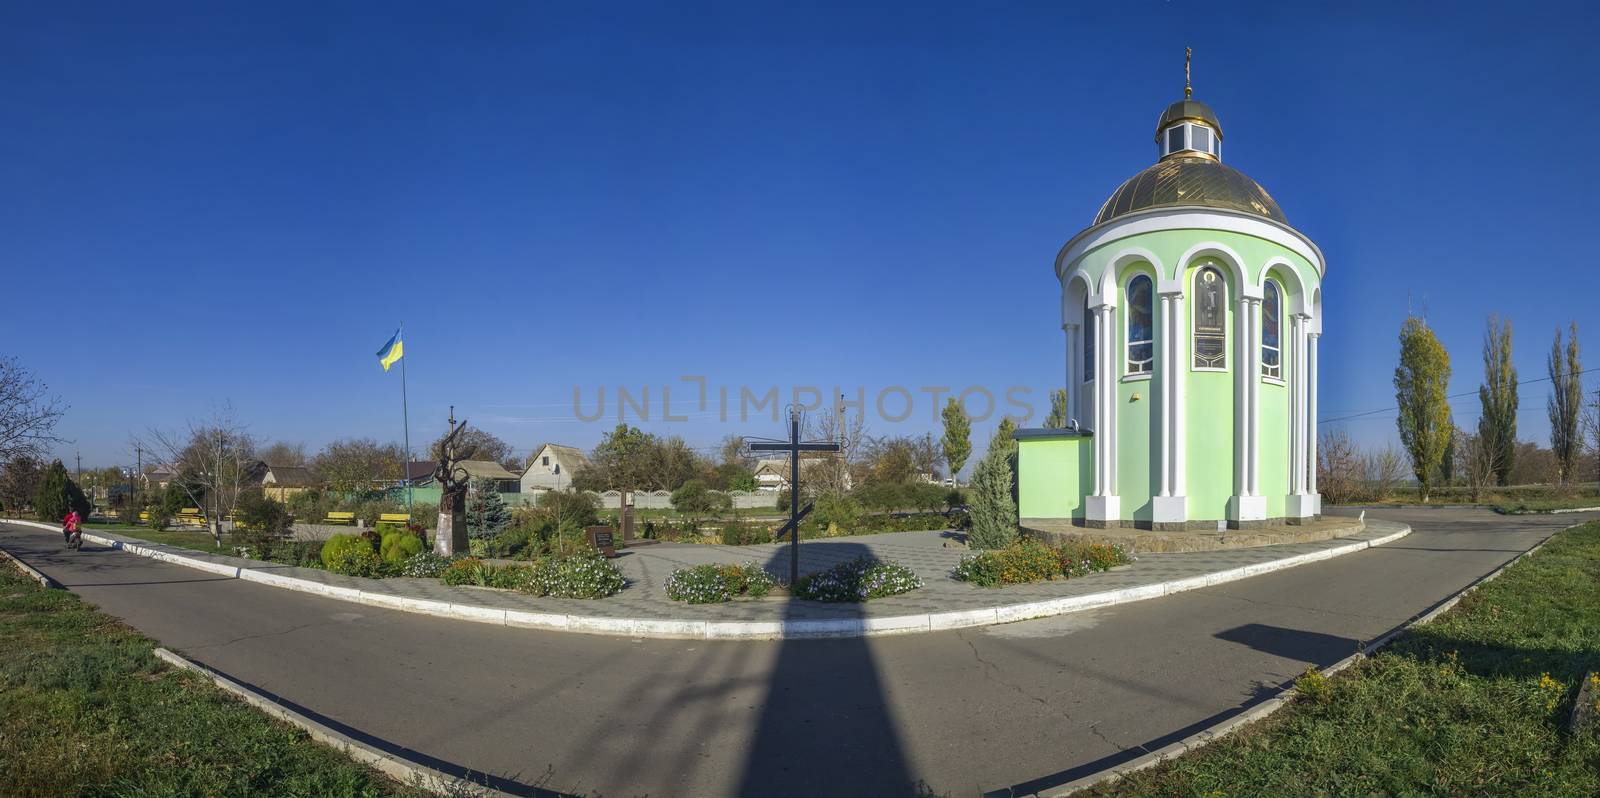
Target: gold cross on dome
[{"x": 1188, "y": 91}]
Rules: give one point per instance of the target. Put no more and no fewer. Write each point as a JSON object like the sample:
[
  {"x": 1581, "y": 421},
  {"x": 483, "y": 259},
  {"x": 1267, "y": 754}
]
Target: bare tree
[
  {"x": 1479, "y": 463},
  {"x": 28, "y": 414},
  {"x": 212, "y": 460},
  {"x": 1338, "y": 467},
  {"x": 282, "y": 453},
  {"x": 1381, "y": 472},
  {"x": 19, "y": 482},
  {"x": 837, "y": 472}
]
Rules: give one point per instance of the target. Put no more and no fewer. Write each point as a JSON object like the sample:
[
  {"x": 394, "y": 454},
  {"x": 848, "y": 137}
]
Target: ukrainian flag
[{"x": 391, "y": 351}]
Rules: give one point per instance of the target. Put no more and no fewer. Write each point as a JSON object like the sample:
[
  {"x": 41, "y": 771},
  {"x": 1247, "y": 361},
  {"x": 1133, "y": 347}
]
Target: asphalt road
[{"x": 962, "y": 713}]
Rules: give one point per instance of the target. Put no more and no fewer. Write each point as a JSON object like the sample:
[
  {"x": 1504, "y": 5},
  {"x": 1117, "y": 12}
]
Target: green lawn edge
[
  {"x": 87, "y": 709},
  {"x": 1474, "y": 702}
]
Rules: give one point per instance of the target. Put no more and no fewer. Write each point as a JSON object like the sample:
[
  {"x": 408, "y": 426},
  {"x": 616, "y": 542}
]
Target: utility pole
[{"x": 79, "y": 456}]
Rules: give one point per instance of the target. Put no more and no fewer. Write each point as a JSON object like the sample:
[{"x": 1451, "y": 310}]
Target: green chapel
[{"x": 1191, "y": 310}]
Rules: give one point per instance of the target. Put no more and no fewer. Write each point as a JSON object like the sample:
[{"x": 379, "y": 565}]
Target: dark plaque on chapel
[{"x": 604, "y": 539}]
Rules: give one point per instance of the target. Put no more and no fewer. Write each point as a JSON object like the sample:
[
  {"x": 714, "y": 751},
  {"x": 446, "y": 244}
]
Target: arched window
[
  {"x": 1271, "y": 353},
  {"x": 1141, "y": 323},
  {"x": 1088, "y": 342},
  {"x": 1210, "y": 319}
]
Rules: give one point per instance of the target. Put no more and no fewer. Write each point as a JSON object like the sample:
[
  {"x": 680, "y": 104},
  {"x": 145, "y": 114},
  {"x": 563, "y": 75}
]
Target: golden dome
[{"x": 1179, "y": 181}]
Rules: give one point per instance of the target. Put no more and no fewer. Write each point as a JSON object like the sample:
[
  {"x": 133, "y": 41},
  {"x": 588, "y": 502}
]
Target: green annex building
[{"x": 1192, "y": 312}]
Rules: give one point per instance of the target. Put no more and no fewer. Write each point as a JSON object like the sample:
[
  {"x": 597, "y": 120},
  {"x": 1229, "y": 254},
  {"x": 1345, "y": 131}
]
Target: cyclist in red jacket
[{"x": 72, "y": 529}]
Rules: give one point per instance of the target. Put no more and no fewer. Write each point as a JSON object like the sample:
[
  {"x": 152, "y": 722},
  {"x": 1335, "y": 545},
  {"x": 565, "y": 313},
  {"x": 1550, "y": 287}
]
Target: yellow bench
[
  {"x": 191, "y": 515},
  {"x": 144, "y": 516},
  {"x": 394, "y": 518},
  {"x": 340, "y": 519}
]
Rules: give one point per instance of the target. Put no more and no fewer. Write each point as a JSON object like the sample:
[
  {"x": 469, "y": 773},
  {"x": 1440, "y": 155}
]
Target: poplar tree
[
  {"x": 1497, "y": 426},
  {"x": 1566, "y": 403},
  {"x": 957, "y": 440},
  {"x": 1421, "y": 387},
  {"x": 1058, "y": 410}
]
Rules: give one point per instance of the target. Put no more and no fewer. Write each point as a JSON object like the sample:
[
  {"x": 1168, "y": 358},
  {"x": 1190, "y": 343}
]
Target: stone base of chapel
[{"x": 1143, "y": 537}]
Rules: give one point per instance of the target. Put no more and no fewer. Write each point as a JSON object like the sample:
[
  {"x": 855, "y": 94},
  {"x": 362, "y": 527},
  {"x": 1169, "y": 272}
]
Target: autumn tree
[
  {"x": 477, "y": 444},
  {"x": 1421, "y": 384},
  {"x": 358, "y": 466}
]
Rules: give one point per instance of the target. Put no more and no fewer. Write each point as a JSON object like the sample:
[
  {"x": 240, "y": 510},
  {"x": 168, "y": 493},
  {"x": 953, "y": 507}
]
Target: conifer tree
[
  {"x": 58, "y": 495},
  {"x": 487, "y": 514},
  {"x": 992, "y": 496}
]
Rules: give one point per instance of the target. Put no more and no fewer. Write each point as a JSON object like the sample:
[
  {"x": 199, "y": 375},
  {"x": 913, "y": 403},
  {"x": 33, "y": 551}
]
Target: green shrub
[
  {"x": 837, "y": 513},
  {"x": 1028, "y": 560},
  {"x": 467, "y": 571},
  {"x": 159, "y": 517},
  {"x": 857, "y": 580},
  {"x": 351, "y": 556},
  {"x": 424, "y": 565},
  {"x": 738, "y": 532},
  {"x": 710, "y": 584},
  {"x": 301, "y": 553},
  {"x": 584, "y": 574},
  {"x": 513, "y": 542},
  {"x": 397, "y": 547},
  {"x": 339, "y": 547},
  {"x": 487, "y": 514}
]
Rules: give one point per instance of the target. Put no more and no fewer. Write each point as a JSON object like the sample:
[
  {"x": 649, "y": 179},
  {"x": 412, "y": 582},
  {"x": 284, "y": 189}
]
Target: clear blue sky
[{"x": 239, "y": 202}]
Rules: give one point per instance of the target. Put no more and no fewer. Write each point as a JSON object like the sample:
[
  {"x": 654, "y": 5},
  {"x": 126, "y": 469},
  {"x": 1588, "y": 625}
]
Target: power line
[{"x": 1473, "y": 392}]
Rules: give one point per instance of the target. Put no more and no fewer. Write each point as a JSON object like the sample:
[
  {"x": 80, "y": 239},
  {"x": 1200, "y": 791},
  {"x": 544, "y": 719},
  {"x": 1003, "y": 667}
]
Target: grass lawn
[
  {"x": 87, "y": 709},
  {"x": 1544, "y": 504},
  {"x": 1474, "y": 703}
]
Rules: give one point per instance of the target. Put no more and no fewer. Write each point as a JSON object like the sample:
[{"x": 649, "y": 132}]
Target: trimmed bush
[
  {"x": 397, "y": 547},
  {"x": 710, "y": 584},
  {"x": 345, "y": 557},
  {"x": 336, "y": 546},
  {"x": 1028, "y": 560},
  {"x": 584, "y": 574},
  {"x": 860, "y": 579}
]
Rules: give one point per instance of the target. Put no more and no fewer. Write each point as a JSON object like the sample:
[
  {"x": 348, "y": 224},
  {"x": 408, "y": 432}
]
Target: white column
[
  {"x": 1291, "y": 346},
  {"x": 1248, "y": 503},
  {"x": 1302, "y": 503},
  {"x": 1164, "y": 423},
  {"x": 1103, "y": 508},
  {"x": 1180, "y": 411},
  {"x": 1241, "y": 399},
  {"x": 1170, "y": 506},
  {"x": 1074, "y": 384},
  {"x": 1253, "y": 383},
  {"x": 1311, "y": 414}
]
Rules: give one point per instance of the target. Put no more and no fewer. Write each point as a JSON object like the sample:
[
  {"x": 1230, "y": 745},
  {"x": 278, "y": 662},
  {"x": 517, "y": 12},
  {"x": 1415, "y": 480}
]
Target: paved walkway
[{"x": 644, "y": 600}]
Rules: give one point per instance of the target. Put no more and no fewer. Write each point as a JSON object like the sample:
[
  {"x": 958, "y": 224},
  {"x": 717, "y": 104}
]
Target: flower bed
[
  {"x": 583, "y": 575},
  {"x": 711, "y": 584},
  {"x": 1028, "y": 560},
  {"x": 857, "y": 580}
]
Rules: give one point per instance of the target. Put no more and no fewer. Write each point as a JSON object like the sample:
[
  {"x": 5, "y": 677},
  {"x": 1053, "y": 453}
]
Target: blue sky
[{"x": 237, "y": 203}]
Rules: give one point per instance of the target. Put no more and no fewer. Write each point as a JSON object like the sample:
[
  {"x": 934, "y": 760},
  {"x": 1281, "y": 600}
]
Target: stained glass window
[
  {"x": 1141, "y": 325},
  {"x": 1271, "y": 354},
  {"x": 1210, "y": 319}
]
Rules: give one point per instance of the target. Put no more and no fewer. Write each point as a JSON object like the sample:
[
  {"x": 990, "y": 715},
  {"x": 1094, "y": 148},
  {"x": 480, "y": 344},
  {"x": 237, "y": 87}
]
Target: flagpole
[{"x": 405, "y": 416}]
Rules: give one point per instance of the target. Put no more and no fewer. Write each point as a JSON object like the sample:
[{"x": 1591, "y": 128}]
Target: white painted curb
[
  {"x": 28, "y": 570},
  {"x": 395, "y": 767},
  {"x": 694, "y": 629},
  {"x": 1264, "y": 709}
]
